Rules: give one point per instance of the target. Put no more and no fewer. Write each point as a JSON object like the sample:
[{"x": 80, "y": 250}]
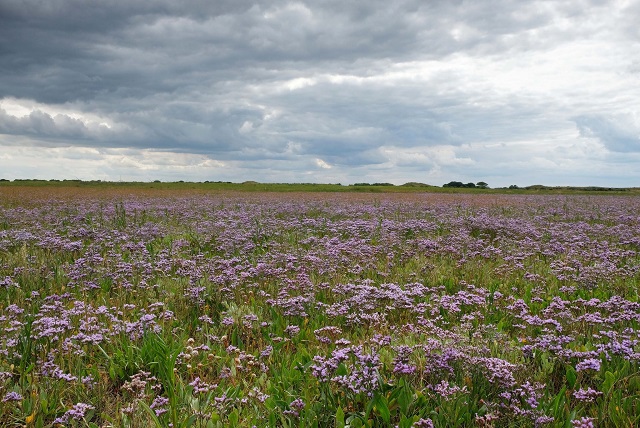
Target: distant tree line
[
  {"x": 453, "y": 184},
  {"x": 479, "y": 185},
  {"x": 373, "y": 184}
]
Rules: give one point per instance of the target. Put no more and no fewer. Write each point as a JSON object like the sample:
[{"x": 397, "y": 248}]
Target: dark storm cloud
[
  {"x": 59, "y": 127},
  {"x": 178, "y": 75},
  {"x": 327, "y": 82},
  {"x": 66, "y": 50}
]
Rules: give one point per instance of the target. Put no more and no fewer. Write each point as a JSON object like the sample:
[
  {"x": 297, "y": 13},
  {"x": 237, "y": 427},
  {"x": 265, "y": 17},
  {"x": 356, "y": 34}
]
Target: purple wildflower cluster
[
  {"x": 453, "y": 296},
  {"x": 295, "y": 407},
  {"x": 11, "y": 396},
  {"x": 361, "y": 369},
  {"x": 76, "y": 413},
  {"x": 583, "y": 422}
]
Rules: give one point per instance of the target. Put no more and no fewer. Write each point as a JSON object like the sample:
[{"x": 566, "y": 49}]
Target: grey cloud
[
  {"x": 38, "y": 123},
  {"x": 76, "y": 52},
  {"x": 629, "y": 18},
  {"x": 145, "y": 47},
  {"x": 209, "y": 77},
  {"x": 618, "y": 134}
]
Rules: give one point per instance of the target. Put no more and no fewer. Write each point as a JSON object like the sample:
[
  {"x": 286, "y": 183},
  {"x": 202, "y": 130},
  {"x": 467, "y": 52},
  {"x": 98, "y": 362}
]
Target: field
[{"x": 137, "y": 307}]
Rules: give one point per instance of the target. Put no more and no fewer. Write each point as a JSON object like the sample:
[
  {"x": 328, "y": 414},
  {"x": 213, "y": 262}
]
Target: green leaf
[
  {"x": 152, "y": 414},
  {"x": 404, "y": 399},
  {"x": 406, "y": 422},
  {"x": 383, "y": 409},
  {"x": 356, "y": 423},
  {"x": 369, "y": 408},
  {"x": 190, "y": 421},
  {"x": 634, "y": 384},
  {"x": 609, "y": 380},
  {"x": 339, "y": 418},
  {"x": 270, "y": 403},
  {"x": 571, "y": 376},
  {"x": 341, "y": 370},
  {"x": 557, "y": 405},
  {"x": 234, "y": 418}
]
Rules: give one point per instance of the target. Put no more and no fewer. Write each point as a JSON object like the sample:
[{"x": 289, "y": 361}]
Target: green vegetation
[
  {"x": 253, "y": 186},
  {"x": 322, "y": 310}
]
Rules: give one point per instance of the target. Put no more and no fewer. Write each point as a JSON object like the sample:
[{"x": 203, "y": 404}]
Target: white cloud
[
  {"x": 274, "y": 91},
  {"x": 322, "y": 164},
  {"x": 21, "y": 108},
  {"x": 618, "y": 133},
  {"x": 89, "y": 163},
  {"x": 246, "y": 127}
]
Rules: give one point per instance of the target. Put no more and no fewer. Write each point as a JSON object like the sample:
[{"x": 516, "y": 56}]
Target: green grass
[
  {"x": 252, "y": 186},
  {"x": 248, "y": 260}
]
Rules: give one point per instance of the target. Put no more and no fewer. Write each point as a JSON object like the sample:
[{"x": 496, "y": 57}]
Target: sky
[{"x": 324, "y": 91}]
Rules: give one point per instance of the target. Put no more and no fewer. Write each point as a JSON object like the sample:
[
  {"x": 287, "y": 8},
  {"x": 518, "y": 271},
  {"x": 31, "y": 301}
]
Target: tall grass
[{"x": 226, "y": 309}]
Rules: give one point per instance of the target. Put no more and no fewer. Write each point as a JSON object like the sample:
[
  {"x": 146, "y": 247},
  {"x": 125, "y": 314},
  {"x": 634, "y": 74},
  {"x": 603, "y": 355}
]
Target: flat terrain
[{"x": 215, "y": 305}]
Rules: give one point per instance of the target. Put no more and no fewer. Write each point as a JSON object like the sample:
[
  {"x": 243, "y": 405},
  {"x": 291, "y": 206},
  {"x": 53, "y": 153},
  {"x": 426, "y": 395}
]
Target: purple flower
[
  {"x": 423, "y": 423},
  {"x": 266, "y": 352},
  {"x": 445, "y": 390},
  {"x": 12, "y": 396},
  {"x": 588, "y": 364},
  {"x": 295, "y": 407},
  {"x": 292, "y": 330},
  {"x": 543, "y": 420},
  {"x": 50, "y": 369},
  {"x": 200, "y": 387},
  {"x": 362, "y": 368},
  {"x": 583, "y": 422},
  {"x": 89, "y": 381},
  {"x": 259, "y": 395},
  {"x": 586, "y": 395},
  {"x": 498, "y": 371},
  {"x": 404, "y": 368},
  {"x": 76, "y": 413},
  {"x": 158, "y": 404},
  {"x": 297, "y": 404},
  {"x": 381, "y": 340}
]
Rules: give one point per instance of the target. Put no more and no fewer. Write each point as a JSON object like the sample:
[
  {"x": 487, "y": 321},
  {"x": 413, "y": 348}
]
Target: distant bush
[
  {"x": 415, "y": 184},
  {"x": 537, "y": 187},
  {"x": 459, "y": 184}
]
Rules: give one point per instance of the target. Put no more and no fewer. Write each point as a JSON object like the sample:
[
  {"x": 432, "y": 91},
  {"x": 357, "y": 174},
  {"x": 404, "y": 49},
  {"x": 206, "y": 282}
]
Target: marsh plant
[{"x": 334, "y": 310}]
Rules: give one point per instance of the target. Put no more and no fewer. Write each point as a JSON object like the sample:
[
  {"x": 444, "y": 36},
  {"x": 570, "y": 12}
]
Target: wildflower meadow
[{"x": 229, "y": 309}]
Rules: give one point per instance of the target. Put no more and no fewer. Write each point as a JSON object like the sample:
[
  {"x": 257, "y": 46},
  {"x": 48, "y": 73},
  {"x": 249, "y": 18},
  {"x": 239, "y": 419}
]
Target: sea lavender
[
  {"x": 11, "y": 396},
  {"x": 583, "y": 422},
  {"x": 76, "y": 413},
  {"x": 586, "y": 395}
]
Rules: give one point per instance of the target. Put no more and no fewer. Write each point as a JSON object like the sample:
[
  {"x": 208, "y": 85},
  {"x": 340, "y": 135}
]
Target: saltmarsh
[{"x": 136, "y": 309}]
